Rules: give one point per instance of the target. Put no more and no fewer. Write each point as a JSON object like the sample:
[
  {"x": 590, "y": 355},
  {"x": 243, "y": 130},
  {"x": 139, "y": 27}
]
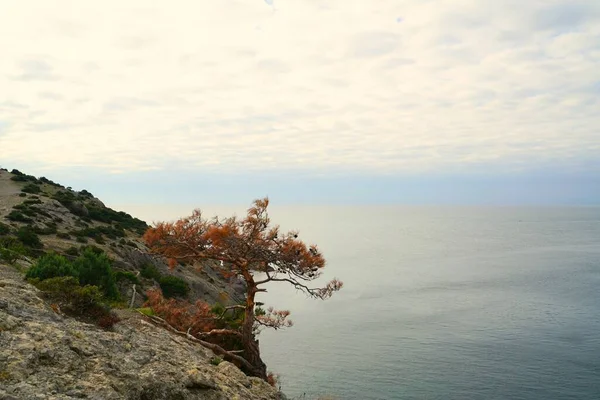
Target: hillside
[
  {"x": 46, "y": 355},
  {"x": 47, "y": 352},
  {"x": 66, "y": 221}
]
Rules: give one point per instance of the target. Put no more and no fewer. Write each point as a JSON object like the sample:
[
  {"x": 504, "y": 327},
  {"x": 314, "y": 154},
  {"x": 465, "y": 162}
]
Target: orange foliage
[
  {"x": 182, "y": 315},
  {"x": 272, "y": 379},
  {"x": 243, "y": 248}
]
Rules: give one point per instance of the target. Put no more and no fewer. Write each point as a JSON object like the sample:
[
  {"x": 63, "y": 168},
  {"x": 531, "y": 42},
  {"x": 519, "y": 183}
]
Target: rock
[
  {"x": 78, "y": 208},
  {"x": 230, "y": 370},
  {"x": 42, "y": 356},
  {"x": 198, "y": 380},
  {"x": 8, "y": 322}
]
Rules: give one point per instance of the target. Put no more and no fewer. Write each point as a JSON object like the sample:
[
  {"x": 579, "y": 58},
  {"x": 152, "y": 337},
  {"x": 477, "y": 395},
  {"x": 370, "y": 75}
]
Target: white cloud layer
[{"x": 346, "y": 85}]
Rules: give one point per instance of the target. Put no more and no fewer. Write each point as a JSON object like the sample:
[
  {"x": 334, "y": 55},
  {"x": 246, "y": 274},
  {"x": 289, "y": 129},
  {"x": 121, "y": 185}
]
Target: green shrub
[
  {"x": 21, "y": 177},
  {"x": 63, "y": 235},
  {"x": 25, "y": 210},
  {"x": 49, "y": 229},
  {"x": 31, "y": 188},
  {"x": 233, "y": 318},
  {"x": 11, "y": 249},
  {"x": 216, "y": 360},
  {"x": 4, "y": 229},
  {"x": 22, "y": 194},
  {"x": 109, "y": 231},
  {"x": 51, "y": 265},
  {"x": 32, "y": 201},
  {"x": 81, "y": 239},
  {"x": 95, "y": 269},
  {"x": 122, "y": 219},
  {"x": 84, "y": 302},
  {"x": 126, "y": 275},
  {"x": 29, "y": 238},
  {"x": 149, "y": 271},
  {"x": 48, "y": 181},
  {"x": 95, "y": 249},
  {"x": 86, "y": 194},
  {"x": 72, "y": 251},
  {"x": 17, "y": 216},
  {"x": 173, "y": 286}
]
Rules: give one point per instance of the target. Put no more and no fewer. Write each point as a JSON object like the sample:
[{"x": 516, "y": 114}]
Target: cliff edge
[{"x": 45, "y": 355}]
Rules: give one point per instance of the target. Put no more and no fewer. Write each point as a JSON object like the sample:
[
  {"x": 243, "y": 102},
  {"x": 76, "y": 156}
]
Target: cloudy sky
[{"x": 305, "y": 100}]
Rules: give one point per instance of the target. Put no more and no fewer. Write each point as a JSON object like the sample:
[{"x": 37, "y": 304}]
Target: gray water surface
[{"x": 444, "y": 303}]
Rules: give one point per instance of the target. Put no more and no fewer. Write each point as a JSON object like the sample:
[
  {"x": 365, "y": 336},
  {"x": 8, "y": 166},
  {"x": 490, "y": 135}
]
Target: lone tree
[{"x": 244, "y": 248}]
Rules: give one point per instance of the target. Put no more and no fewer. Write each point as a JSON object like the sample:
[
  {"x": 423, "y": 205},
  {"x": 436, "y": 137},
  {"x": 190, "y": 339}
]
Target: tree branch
[{"x": 216, "y": 348}]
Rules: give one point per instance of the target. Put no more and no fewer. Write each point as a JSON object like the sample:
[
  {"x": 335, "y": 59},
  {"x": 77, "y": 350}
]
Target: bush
[
  {"x": 81, "y": 239},
  {"x": 85, "y": 193},
  {"x": 29, "y": 238},
  {"x": 95, "y": 269},
  {"x": 126, "y": 275},
  {"x": 24, "y": 209},
  {"x": 85, "y": 302},
  {"x": 51, "y": 265},
  {"x": 72, "y": 251},
  {"x": 4, "y": 229},
  {"x": 31, "y": 188},
  {"x": 149, "y": 271},
  {"x": 11, "y": 249},
  {"x": 97, "y": 232},
  {"x": 49, "y": 229},
  {"x": 48, "y": 181},
  {"x": 17, "y": 216},
  {"x": 63, "y": 235},
  {"x": 21, "y": 177},
  {"x": 22, "y": 194},
  {"x": 32, "y": 201},
  {"x": 173, "y": 286}
]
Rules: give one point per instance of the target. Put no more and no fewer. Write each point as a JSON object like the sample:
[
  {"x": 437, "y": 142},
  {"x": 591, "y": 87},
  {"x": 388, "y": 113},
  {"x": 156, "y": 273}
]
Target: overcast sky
[{"x": 308, "y": 100}]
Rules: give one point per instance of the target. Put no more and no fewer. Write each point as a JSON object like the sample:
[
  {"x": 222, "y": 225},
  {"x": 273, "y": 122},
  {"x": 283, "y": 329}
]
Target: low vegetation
[
  {"x": 90, "y": 268},
  {"x": 170, "y": 285},
  {"x": 70, "y": 297}
]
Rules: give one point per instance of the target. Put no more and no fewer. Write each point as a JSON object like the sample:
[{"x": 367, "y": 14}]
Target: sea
[{"x": 443, "y": 303}]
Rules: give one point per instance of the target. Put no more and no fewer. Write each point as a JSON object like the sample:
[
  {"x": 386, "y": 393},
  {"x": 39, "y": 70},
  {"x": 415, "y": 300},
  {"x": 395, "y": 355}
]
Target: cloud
[
  {"x": 35, "y": 70},
  {"x": 455, "y": 86},
  {"x": 373, "y": 44}
]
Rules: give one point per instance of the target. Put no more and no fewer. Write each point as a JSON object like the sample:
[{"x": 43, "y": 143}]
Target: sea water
[{"x": 444, "y": 303}]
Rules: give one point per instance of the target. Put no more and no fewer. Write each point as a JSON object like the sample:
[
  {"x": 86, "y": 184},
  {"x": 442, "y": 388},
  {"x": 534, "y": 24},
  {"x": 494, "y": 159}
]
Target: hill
[
  {"x": 47, "y": 353},
  {"x": 66, "y": 221}
]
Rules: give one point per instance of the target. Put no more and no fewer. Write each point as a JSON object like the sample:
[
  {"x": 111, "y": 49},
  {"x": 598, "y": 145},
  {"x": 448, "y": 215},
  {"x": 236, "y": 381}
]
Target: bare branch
[{"x": 216, "y": 348}]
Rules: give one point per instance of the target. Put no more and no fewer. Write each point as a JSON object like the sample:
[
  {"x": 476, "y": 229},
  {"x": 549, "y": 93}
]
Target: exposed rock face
[{"x": 44, "y": 355}]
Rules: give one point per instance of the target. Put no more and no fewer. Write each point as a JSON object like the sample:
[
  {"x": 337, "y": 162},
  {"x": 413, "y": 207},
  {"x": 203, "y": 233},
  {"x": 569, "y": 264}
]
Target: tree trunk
[{"x": 251, "y": 348}]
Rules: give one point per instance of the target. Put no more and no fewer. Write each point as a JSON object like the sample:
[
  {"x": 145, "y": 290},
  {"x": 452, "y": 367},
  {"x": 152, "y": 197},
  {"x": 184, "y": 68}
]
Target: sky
[{"x": 307, "y": 101}]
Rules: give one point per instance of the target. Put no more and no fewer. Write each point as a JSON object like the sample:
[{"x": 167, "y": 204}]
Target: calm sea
[
  {"x": 440, "y": 303},
  {"x": 445, "y": 303}
]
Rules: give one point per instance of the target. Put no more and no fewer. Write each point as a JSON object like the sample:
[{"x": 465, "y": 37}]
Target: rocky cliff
[{"x": 45, "y": 355}]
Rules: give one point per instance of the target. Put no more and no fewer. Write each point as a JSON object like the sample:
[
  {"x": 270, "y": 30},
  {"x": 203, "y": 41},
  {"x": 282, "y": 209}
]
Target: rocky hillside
[
  {"x": 65, "y": 221},
  {"x": 45, "y": 355}
]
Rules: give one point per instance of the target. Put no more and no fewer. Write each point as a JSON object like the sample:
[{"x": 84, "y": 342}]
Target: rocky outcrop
[{"x": 45, "y": 355}]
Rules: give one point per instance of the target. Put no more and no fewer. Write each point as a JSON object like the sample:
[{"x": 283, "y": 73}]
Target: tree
[{"x": 252, "y": 250}]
